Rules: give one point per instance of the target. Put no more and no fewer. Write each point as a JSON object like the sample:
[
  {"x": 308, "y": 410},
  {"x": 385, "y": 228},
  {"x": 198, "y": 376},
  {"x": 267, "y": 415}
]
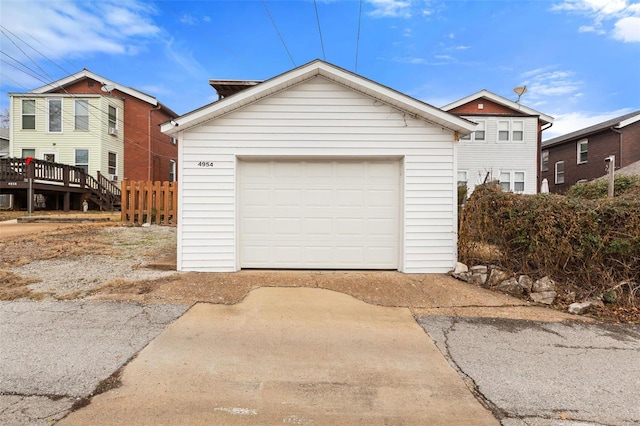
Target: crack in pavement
[{"x": 498, "y": 412}]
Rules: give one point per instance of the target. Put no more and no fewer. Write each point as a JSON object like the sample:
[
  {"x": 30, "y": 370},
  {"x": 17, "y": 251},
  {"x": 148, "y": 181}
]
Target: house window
[
  {"x": 479, "y": 134},
  {"x": 463, "y": 177},
  {"x": 28, "y": 152},
  {"x": 583, "y": 150},
  {"x": 544, "y": 161},
  {"x": 113, "y": 120},
  {"x": 503, "y": 131},
  {"x": 55, "y": 115},
  {"x": 112, "y": 163},
  {"x": 82, "y": 159},
  {"x": 512, "y": 181},
  {"x": 81, "y": 114},
  {"x": 28, "y": 114},
  {"x": 172, "y": 171},
  {"x": 505, "y": 181},
  {"x": 559, "y": 172},
  {"x": 517, "y": 128},
  {"x": 518, "y": 181}
]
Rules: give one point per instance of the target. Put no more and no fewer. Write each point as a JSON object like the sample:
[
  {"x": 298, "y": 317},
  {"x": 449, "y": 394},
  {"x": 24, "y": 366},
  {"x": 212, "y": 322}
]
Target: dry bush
[{"x": 589, "y": 244}]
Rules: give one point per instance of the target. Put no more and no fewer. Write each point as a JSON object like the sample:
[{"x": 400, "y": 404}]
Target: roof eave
[
  {"x": 502, "y": 101},
  {"x": 324, "y": 69}
]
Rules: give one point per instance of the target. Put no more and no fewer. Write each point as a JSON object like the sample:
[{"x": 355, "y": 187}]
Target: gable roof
[
  {"x": 501, "y": 101},
  {"x": 618, "y": 122},
  {"x": 85, "y": 73},
  {"x": 331, "y": 72}
]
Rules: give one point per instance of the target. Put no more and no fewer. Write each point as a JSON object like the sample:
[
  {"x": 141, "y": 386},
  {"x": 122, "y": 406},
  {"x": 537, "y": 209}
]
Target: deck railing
[{"x": 101, "y": 191}]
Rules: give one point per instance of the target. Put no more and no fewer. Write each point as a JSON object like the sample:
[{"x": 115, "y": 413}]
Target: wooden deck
[{"x": 63, "y": 184}]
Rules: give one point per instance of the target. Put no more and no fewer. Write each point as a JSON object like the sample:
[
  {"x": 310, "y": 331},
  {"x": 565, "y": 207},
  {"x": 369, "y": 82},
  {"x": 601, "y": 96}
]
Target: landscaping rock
[
  {"x": 496, "y": 277},
  {"x": 544, "y": 284},
  {"x": 580, "y": 308},
  {"x": 512, "y": 287},
  {"x": 546, "y": 297},
  {"x": 478, "y": 279},
  {"x": 463, "y": 276},
  {"x": 526, "y": 282},
  {"x": 460, "y": 268},
  {"x": 479, "y": 269}
]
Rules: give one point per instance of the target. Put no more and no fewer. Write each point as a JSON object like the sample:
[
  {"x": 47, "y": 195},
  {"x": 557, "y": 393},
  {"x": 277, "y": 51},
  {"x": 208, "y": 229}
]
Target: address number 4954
[{"x": 205, "y": 164}]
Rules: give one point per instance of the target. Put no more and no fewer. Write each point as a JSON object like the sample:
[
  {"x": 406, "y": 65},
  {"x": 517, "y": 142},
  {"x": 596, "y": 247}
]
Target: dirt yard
[{"x": 109, "y": 261}]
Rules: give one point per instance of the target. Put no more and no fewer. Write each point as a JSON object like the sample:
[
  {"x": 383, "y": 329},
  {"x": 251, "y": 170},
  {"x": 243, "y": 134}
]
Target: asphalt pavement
[
  {"x": 55, "y": 354},
  {"x": 535, "y": 373}
]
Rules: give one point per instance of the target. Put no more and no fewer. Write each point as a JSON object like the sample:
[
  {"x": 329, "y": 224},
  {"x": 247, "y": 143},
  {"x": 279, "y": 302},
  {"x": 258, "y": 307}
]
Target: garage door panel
[{"x": 319, "y": 214}]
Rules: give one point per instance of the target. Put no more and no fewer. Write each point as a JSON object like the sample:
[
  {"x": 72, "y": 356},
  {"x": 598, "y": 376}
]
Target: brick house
[
  {"x": 580, "y": 156},
  {"x": 88, "y": 121},
  {"x": 505, "y": 145}
]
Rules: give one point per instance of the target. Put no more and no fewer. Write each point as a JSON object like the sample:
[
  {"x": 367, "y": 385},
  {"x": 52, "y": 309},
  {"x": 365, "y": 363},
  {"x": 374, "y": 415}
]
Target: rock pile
[{"x": 539, "y": 291}]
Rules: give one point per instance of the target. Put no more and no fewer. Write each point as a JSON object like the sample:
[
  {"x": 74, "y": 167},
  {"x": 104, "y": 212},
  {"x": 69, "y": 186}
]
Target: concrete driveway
[{"x": 289, "y": 355}]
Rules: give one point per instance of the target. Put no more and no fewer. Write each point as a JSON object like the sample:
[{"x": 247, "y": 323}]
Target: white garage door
[{"x": 319, "y": 214}]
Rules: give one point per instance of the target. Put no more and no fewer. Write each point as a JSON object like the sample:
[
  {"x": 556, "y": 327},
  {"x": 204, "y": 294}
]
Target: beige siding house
[
  {"x": 67, "y": 129},
  {"x": 317, "y": 168}
]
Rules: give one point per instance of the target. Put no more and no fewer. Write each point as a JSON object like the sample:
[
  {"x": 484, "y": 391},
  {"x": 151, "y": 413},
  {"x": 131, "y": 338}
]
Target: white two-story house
[{"x": 505, "y": 145}]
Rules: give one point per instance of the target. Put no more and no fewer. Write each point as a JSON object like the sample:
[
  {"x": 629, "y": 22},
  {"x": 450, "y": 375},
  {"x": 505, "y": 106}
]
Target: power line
[
  {"x": 74, "y": 96},
  {"x": 358, "y": 38},
  {"x": 277, "y": 31},
  {"x": 319, "y": 30}
]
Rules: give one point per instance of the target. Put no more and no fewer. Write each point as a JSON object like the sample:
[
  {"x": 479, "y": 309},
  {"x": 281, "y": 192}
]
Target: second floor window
[
  {"x": 544, "y": 161},
  {"x": 583, "y": 150},
  {"x": 28, "y": 114},
  {"x": 503, "y": 131},
  {"x": 82, "y": 114},
  {"x": 55, "y": 115},
  {"x": 478, "y": 134},
  {"x": 113, "y": 120},
  {"x": 517, "y": 129}
]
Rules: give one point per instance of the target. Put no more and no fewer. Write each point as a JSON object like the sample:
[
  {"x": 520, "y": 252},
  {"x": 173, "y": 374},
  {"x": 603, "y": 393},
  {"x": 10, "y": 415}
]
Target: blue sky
[{"x": 580, "y": 59}]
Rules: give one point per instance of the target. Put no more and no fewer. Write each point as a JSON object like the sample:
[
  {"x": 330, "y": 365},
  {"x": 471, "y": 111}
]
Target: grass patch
[{"x": 13, "y": 286}]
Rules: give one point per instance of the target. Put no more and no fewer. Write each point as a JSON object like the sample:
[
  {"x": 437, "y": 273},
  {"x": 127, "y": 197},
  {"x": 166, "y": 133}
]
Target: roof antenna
[{"x": 520, "y": 91}]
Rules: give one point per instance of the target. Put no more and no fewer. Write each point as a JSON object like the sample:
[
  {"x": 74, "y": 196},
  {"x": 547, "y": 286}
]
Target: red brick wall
[
  {"x": 630, "y": 144},
  {"x": 143, "y": 140},
  {"x": 601, "y": 145}
]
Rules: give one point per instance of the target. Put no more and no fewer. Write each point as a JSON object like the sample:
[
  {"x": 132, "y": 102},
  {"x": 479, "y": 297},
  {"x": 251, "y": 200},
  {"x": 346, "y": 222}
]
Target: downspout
[
  {"x": 539, "y": 156},
  {"x": 149, "y": 143}
]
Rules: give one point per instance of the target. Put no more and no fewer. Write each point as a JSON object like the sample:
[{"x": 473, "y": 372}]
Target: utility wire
[
  {"x": 315, "y": 4},
  {"x": 358, "y": 37},
  {"x": 277, "y": 31},
  {"x": 74, "y": 96},
  {"x": 2, "y": 30}
]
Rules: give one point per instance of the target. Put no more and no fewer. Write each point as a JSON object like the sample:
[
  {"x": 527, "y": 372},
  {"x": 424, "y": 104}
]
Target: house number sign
[{"x": 205, "y": 163}]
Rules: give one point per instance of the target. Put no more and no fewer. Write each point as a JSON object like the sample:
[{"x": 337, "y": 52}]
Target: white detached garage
[{"x": 317, "y": 168}]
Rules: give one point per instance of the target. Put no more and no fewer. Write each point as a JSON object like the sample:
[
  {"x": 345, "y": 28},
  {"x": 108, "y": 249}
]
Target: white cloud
[
  {"x": 571, "y": 121},
  {"x": 188, "y": 19},
  {"x": 390, "y": 8},
  {"x": 545, "y": 82},
  {"x": 624, "y": 15},
  {"x": 628, "y": 29},
  {"x": 75, "y": 29}
]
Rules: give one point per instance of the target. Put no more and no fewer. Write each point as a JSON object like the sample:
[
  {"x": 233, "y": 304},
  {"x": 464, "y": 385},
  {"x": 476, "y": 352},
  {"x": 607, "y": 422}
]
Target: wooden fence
[{"x": 149, "y": 202}]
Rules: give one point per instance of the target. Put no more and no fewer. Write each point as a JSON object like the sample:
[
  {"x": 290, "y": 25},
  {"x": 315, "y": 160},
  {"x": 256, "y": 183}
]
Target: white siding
[
  {"x": 314, "y": 119},
  {"x": 63, "y": 144},
  {"x": 490, "y": 156}
]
